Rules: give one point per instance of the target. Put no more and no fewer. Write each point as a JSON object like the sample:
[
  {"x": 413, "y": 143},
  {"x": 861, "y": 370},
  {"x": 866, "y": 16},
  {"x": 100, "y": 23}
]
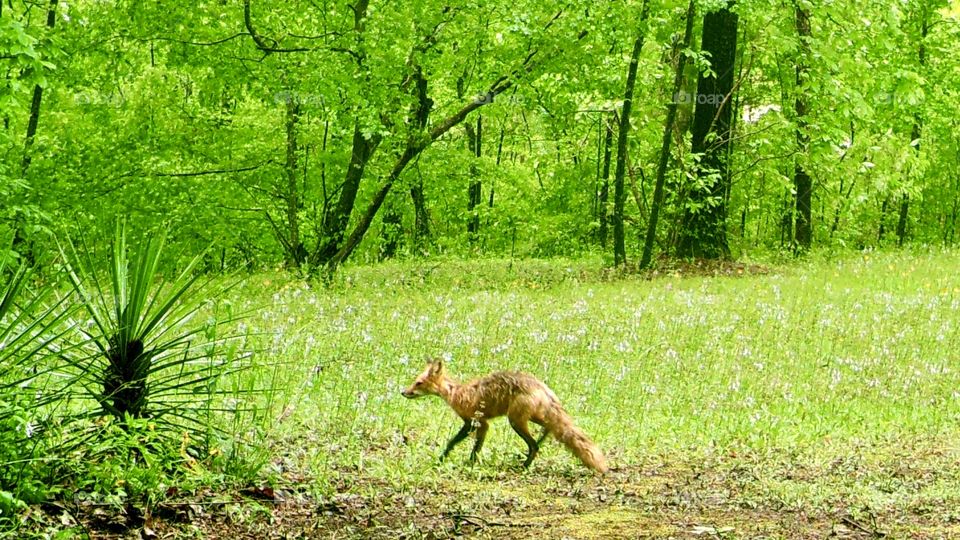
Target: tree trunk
[
  {"x": 619, "y": 193},
  {"x": 914, "y": 134},
  {"x": 336, "y": 219},
  {"x": 902, "y": 219},
  {"x": 416, "y": 145},
  {"x": 20, "y": 243},
  {"x": 703, "y": 230},
  {"x": 475, "y": 143},
  {"x": 604, "y": 195},
  {"x": 881, "y": 230},
  {"x": 392, "y": 234},
  {"x": 503, "y": 132},
  {"x": 421, "y": 226},
  {"x": 668, "y": 124},
  {"x": 296, "y": 254},
  {"x": 34, "y": 119},
  {"x": 802, "y": 183},
  {"x": 421, "y": 217}
]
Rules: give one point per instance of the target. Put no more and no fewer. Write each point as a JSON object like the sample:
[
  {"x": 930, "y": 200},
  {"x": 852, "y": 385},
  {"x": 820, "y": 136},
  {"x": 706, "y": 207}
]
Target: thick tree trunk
[
  {"x": 619, "y": 193},
  {"x": 703, "y": 231},
  {"x": 668, "y": 124},
  {"x": 366, "y": 219},
  {"x": 802, "y": 183},
  {"x": 337, "y": 218}
]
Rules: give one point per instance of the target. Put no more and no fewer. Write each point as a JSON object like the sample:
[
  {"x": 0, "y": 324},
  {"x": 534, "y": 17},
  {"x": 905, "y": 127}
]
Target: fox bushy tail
[{"x": 561, "y": 426}]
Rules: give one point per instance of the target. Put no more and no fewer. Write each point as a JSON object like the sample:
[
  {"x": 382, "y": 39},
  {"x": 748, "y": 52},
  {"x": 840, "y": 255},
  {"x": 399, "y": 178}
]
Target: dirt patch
[
  {"x": 666, "y": 266},
  {"x": 681, "y": 500}
]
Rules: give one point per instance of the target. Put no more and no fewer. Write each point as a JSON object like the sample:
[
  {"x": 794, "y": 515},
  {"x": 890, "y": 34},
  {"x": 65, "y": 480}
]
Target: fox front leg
[
  {"x": 482, "y": 427},
  {"x": 460, "y": 436}
]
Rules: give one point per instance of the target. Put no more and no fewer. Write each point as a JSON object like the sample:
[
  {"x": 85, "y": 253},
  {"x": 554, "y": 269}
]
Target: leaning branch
[{"x": 417, "y": 145}]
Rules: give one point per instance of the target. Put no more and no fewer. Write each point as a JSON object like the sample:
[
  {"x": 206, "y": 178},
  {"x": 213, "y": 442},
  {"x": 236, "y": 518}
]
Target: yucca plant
[
  {"x": 151, "y": 358},
  {"x": 31, "y": 330},
  {"x": 31, "y": 333}
]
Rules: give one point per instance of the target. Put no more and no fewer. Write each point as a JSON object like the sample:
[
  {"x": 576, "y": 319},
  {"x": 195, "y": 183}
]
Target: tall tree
[
  {"x": 619, "y": 193},
  {"x": 475, "y": 193},
  {"x": 917, "y": 125},
  {"x": 604, "y": 193},
  {"x": 668, "y": 125},
  {"x": 802, "y": 183},
  {"x": 20, "y": 241},
  {"x": 703, "y": 231},
  {"x": 424, "y": 105}
]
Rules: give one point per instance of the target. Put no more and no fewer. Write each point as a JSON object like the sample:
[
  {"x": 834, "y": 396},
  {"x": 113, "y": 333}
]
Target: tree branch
[
  {"x": 215, "y": 171},
  {"x": 261, "y": 41},
  {"x": 416, "y": 145}
]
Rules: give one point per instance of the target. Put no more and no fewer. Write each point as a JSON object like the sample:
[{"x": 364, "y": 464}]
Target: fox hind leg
[
  {"x": 523, "y": 430},
  {"x": 544, "y": 434}
]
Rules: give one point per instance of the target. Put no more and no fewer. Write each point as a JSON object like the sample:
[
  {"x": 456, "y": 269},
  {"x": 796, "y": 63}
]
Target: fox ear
[{"x": 436, "y": 366}]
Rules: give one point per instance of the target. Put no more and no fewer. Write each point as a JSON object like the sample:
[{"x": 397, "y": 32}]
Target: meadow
[{"x": 815, "y": 399}]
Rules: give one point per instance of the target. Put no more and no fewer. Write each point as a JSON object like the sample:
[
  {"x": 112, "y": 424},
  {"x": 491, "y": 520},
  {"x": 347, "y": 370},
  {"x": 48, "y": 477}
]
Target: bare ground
[{"x": 906, "y": 492}]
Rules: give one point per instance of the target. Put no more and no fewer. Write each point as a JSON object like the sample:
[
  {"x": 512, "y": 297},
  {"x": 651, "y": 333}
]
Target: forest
[{"x": 721, "y": 232}]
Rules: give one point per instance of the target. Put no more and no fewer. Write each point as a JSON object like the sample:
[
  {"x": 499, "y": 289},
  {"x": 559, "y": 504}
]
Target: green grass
[
  {"x": 819, "y": 377},
  {"x": 860, "y": 349},
  {"x": 819, "y": 396}
]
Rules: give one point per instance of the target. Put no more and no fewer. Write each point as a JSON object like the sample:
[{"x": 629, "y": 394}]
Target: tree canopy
[{"x": 307, "y": 133}]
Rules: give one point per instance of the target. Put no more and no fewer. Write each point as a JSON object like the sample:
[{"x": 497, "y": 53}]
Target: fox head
[{"x": 428, "y": 383}]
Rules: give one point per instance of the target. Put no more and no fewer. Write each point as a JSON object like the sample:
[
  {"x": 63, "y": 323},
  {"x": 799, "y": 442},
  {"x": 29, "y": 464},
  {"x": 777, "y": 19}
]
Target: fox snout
[{"x": 410, "y": 393}]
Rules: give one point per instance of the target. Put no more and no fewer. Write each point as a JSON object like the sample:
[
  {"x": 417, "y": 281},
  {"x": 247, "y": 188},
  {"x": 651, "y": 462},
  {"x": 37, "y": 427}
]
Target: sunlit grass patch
[
  {"x": 841, "y": 350},
  {"x": 800, "y": 390}
]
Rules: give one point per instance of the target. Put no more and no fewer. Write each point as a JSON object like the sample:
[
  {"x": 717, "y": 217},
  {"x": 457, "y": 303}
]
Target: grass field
[
  {"x": 814, "y": 400},
  {"x": 819, "y": 400}
]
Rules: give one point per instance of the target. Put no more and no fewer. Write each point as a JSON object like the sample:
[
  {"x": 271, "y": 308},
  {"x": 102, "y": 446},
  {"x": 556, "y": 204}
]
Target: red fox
[{"x": 519, "y": 396}]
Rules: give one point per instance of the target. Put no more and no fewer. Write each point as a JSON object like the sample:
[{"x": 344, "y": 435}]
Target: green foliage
[{"x": 29, "y": 329}]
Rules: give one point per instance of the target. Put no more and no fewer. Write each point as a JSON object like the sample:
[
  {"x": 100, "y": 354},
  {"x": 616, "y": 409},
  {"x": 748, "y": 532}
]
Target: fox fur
[{"x": 520, "y": 397}]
